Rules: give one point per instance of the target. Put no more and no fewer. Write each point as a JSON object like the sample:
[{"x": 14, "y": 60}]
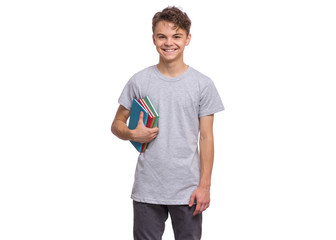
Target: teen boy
[{"x": 171, "y": 176}]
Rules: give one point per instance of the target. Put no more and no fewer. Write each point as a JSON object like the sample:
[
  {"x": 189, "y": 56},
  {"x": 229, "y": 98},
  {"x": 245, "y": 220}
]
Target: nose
[{"x": 169, "y": 42}]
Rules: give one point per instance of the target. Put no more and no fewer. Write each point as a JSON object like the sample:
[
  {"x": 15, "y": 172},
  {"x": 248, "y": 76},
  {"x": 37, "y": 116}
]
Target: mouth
[{"x": 170, "y": 50}]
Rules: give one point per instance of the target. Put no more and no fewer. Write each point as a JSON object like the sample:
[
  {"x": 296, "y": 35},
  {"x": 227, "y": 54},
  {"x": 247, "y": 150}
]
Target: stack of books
[{"x": 150, "y": 118}]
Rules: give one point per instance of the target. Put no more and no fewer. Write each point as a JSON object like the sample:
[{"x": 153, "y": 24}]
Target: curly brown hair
[{"x": 173, "y": 15}]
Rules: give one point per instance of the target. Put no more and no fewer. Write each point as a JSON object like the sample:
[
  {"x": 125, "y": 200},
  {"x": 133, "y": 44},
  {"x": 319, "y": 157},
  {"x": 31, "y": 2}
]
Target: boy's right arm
[{"x": 141, "y": 134}]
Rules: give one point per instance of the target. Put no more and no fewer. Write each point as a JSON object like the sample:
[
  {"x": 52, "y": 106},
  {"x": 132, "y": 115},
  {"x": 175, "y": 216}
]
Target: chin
[{"x": 169, "y": 58}]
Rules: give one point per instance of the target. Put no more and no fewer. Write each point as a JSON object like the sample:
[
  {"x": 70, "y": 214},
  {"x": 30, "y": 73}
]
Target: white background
[{"x": 63, "y": 175}]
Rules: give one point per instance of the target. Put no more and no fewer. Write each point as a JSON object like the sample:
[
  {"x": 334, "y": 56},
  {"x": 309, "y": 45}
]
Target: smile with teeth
[{"x": 169, "y": 50}]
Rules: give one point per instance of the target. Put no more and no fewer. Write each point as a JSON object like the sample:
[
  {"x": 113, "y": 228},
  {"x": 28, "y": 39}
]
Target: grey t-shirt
[{"x": 169, "y": 170}]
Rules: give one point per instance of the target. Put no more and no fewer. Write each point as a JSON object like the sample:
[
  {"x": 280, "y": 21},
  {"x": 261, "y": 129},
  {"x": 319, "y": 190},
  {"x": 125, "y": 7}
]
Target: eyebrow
[{"x": 165, "y": 35}]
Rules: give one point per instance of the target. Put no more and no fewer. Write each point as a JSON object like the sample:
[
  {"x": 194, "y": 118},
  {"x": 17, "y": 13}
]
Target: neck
[{"x": 172, "y": 69}]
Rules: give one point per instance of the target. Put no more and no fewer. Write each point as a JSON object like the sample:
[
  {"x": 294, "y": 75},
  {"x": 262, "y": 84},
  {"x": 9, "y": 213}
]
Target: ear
[
  {"x": 154, "y": 39},
  {"x": 188, "y": 39}
]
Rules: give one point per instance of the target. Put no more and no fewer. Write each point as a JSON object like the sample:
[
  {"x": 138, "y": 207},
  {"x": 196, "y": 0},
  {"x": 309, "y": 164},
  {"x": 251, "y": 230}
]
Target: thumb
[
  {"x": 141, "y": 118},
  {"x": 192, "y": 199}
]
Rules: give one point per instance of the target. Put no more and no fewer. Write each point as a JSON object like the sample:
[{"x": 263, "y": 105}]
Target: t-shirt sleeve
[
  {"x": 128, "y": 94},
  {"x": 210, "y": 101}
]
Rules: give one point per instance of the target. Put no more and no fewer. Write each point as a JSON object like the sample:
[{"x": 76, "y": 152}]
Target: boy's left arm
[{"x": 202, "y": 194}]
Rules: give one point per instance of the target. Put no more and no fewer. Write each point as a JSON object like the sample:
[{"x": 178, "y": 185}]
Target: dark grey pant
[{"x": 149, "y": 221}]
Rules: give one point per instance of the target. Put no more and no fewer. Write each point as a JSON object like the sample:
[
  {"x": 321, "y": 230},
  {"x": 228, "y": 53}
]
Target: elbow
[
  {"x": 206, "y": 138},
  {"x": 118, "y": 131},
  {"x": 113, "y": 128}
]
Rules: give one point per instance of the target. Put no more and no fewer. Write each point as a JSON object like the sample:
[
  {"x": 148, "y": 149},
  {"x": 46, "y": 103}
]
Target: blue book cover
[{"x": 134, "y": 119}]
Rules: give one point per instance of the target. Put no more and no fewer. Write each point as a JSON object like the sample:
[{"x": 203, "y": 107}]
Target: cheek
[{"x": 158, "y": 43}]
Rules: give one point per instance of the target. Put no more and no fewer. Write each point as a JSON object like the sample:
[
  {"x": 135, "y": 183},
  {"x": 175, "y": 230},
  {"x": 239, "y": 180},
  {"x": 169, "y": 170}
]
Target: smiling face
[{"x": 170, "y": 41}]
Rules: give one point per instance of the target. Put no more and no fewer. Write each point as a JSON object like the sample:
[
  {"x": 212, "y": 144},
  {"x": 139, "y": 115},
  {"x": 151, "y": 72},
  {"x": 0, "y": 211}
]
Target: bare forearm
[
  {"x": 207, "y": 158},
  {"x": 202, "y": 193},
  {"x": 141, "y": 134},
  {"x": 120, "y": 129}
]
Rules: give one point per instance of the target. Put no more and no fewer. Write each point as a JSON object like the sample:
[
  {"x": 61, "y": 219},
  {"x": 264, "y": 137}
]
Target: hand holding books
[
  {"x": 142, "y": 133},
  {"x": 143, "y": 116}
]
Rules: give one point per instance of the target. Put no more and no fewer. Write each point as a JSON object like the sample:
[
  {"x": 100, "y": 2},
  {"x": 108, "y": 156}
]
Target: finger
[
  {"x": 192, "y": 199},
  {"x": 154, "y": 134},
  {"x": 197, "y": 210},
  {"x": 201, "y": 209},
  {"x": 204, "y": 207},
  {"x": 155, "y": 130}
]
